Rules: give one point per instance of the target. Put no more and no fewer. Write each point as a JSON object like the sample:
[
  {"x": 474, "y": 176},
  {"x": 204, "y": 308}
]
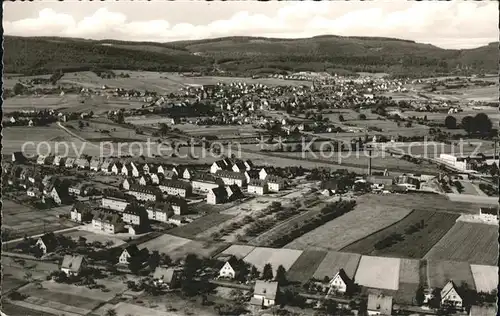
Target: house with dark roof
[
  {"x": 73, "y": 265},
  {"x": 275, "y": 183},
  {"x": 95, "y": 164},
  {"x": 234, "y": 192},
  {"x": 114, "y": 203},
  {"x": 18, "y": 157},
  {"x": 217, "y": 196},
  {"x": 205, "y": 182},
  {"x": 144, "y": 193},
  {"x": 230, "y": 268},
  {"x": 450, "y": 296},
  {"x": 132, "y": 251},
  {"x": 167, "y": 277},
  {"x": 178, "y": 204},
  {"x": 339, "y": 283},
  {"x": 264, "y": 172},
  {"x": 176, "y": 187},
  {"x": 81, "y": 213},
  {"x": 160, "y": 212},
  {"x": 135, "y": 214},
  {"x": 108, "y": 222},
  {"x": 258, "y": 187},
  {"x": 231, "y": 177}
]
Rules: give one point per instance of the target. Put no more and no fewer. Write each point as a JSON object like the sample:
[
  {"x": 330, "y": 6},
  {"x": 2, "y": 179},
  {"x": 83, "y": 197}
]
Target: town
[{"x": 134, "y": 191}]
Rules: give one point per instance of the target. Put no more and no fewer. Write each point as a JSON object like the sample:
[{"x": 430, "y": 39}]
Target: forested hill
[{"x": 249, "y": 55}]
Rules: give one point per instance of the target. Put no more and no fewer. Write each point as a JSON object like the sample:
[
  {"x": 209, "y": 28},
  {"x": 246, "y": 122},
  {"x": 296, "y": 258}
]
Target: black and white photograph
[{"x": 279, "y": 158}]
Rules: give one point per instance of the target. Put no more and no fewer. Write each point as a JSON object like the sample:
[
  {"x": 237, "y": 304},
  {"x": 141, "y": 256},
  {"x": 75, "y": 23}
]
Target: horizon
[{"x": 447, "y": 25}]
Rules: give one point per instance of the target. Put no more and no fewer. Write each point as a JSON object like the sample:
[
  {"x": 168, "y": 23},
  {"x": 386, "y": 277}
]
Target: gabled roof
[
  {"x": 219, "y": 192},
  {"x": 257, "y": 183},
  {"x": 81, "y": 207},
  {"x": 230, "y": 174},
  {"x": 274, "y": 179},
  {"x": 164, "y": 274},
  {"x": 267, "y": 289},
  {"x": 133, "y": 251},
  {"x": 204, "y": 177},
  {"x": 178, "y": 184},
  {"x": 380, "y": 303},
  {"x": 143, "y": 189},
  {"x": 343, "y": 276},
  {"x": 450, "y": 286},
  {"x": 73, "y": 263},
  {"x": 49, "y": 240}
]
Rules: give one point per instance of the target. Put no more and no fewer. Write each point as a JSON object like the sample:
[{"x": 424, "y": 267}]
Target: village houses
[
  {"x": 160, "y": 212},
  {"x": 81, "y": 213},
  {"x": 231, "y": 177},
  {"x": 130, "y": 252},
  {"x": 265, "y": 293},
  {"x": 339, "y": 283},
  {"x": 108, "y": 222},
  {"x": 259, "y": 187},
  {"x": 176, "y": 188},
  {"x": 217, "y": 196},
  {"x": 167, "y": 277},
  {"x": 47, "y": 243},
  {"x": 135, "y": 215},
  {"x": 144, "y": 193},
  {"x": 114, "y": 203},
  {"x": 73, "y": 265},
  {"x": 450, "y": 296},
  {"x": 204, "y": 182}
]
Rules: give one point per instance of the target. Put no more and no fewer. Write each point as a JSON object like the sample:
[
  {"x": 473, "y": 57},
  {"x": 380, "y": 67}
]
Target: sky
[{"x": 450, "y": 24}]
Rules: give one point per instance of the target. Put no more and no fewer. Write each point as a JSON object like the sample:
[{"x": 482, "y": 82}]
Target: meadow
[
  {"x": 334, "y": 261},
  {"x": 259, "y": 257},
  {"x": 485, "y": 277},
  {"x": 200, "y": 225},
  {"x": 305, "y": 266},
  {"x": 378, "y": 272},
  {"x": 440, "y": 272},
  {"x": 239, "y": 251},
  {"x": 475, "y": 243}
]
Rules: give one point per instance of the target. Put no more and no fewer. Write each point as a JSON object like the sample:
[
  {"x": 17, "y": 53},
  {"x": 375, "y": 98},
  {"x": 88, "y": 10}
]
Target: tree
[
  {"x": 341, "y": 118},
  {"x": 254, "y": 273},
  {"x": 80, "y": 124},
  {"x": 468, "y": 124},
  {"x": 362, "y": 116},
  {"x": 267, "y": 272},
  {"x": 135, "y": 264},
  {"x": 164, "y": 128},
  {"x": 19, "y": 88},
  {"x": 450, "y": 122},
  {"x": 482, "y": 123},
  {"x": 419, "y": 296},
  {"x": 154, "y": 260},
  {"x": 281, "y": 275},
  {"x": 111, "y": 312}
]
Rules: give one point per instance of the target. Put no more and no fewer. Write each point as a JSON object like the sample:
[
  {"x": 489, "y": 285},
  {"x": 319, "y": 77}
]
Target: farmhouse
[
  {"x": 136, "y": 215},
  {"x": 114, "y": 203},
  {"x": 130, "y": 252},
  {"x": 230, "y": 268},
  {"x": 450, "y": 296},
  {"x": 176, "y": 187},
  {"x": 258, "y": 187},
  {"x": 47, "y": 243},
  {"x": 167, "y": 277},
  {"x": 108, "y": 223},
  {"x": 217, "y": 196},
  {"x": 144, "y": 193},
  {"x": 379, "y": 305},
  {"x": 73, "y": 265},
  {"x": 339, "y": 283},
  {"x": 159, "y": 212},
  {"x": 205, "y": 182},
  {"x": 81, "y": 213},
  {"x": 264, "y": 293},
  {"x": 231, "y": 177}
]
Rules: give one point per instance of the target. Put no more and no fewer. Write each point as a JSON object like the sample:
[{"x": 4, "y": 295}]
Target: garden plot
[
  {"x": 259, "y": 257},
  {"x": 485, "y": 277},
  {"x": 378, "y": 272}
]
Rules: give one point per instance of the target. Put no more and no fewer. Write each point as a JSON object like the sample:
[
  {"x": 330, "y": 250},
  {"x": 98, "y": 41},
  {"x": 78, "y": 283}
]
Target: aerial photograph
[{"x": 195, "y": 158}]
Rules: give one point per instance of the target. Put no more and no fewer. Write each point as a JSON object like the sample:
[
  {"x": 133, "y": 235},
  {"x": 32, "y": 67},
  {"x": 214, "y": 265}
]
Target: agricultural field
[
  {"x": 370, "y": 215},
  {"x": 475, "y": 243},
  {"x": 239, "y": 251},
  {"x": 93, "y": 237},
  {"x": 16, "y": 310},
  {"x": 18, "y": 103},
  {"x": 440, "y": 272},
  {"x": 20, "y": 220},
  {"x": 206, "y": 249},
  {"x": 200, "y": 225},
  {"x": 485, "y": 277},
  {"x": 305, "y": 266},
  {"x": 378, "y": 272},
  {"x": 259, "y": 257},
  {"x": 409, "y": 271},
  {"x": 334, "y": 261},
  {"x": 104, "y": 132},
  {"x": 407, "y": 238},
  {"x": 165, "y": 243}
]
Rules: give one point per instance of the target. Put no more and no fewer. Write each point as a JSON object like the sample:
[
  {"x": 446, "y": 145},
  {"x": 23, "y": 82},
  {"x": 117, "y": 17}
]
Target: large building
[{"x": 176, "y": 187}]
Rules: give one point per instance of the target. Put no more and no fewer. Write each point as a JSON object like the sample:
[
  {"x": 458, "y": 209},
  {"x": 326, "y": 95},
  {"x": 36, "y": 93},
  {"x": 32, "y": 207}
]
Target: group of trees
[{"x": 478, "y": 124}]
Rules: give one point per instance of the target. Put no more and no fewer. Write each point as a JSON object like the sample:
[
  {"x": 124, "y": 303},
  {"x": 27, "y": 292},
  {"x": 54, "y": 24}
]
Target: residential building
[
  {"x": 107, "y": 165},
  {"x": 78, "y": 189},
  {"x": 127, "y": 182},
  {"x": 145, "y": 180},
  {"x": 59, "y": 161},
  {"x": 167, "y": 277},
  {"x": 275, "y": 183},
  {"x": 450, "y": 296},
  {"x": 251, "y": 175},
  {"x": 231, "y": 177},
  {"x": 379, "y": 305},
  {"x": 160, "y": 212},
  {"x": 169, "y": 174},
  {"x": 339, "y": 283},
  {"x": 132, "y": 251},
  {"x": 129, "y": 170},
  {"x": 108, "y": 223},
  {"x": 187, "y": 174},
  {"x": 114, "y": 203},
  {"x": 233, "y": 192},
  {"x": 60, "y": 193},
  {"x": 264, "y": 293},
  {"x": 218, "y": 165},
  {"x": 178, "y": 204},
  {"x": 18, "y": 157},
  {"x": 266, "y": 171},
  {"x": 136, "y": 215},
  {"x": 239, "y": 166},
  {"x": 95, "y": 164},
  {"x": 230, "y": 268},
  {"x": 217, "y": 196},
  {"x": 205, "y": 182},
  {"x": 144, "y": 193},
  {"x": 116, "y": 168},
  {"x": 69, "y": 163},
  {"x": 176, "y": 187},
  {"x": 82, "y": 163},
  {"x": 73, "y": 265},
  {"x": 258, "y": 187},
  {"x": 81, "y": 213},
  {"x": 47, "y": 243}
]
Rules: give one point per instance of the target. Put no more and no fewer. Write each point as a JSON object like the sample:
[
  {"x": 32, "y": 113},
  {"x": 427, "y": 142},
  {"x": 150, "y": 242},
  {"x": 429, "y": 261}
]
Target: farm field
[
  {"x": 370, "y": 215},
  {"x": 475, "y": 243},
  {"x": 259, "y": 257},
  {"x": 15, "y": 310},
  {"x": 409, "y": 271},
  {"x": 378, "y": 272},
  {"x": 93, "y": 132},
  {"x": 334, "y": 261},
  {"x": 415, "y": 244},
  {"x": 40, "y": 102},
  {"x": 485, "y": 277},
  {"x": 21, "y": 220},
  {"x": 93, "y": 237},
  {"x": 200, "y": 225},
  {"x": 305, "y": 266},
  {"x": 440, "y": 272},
  {"x": 239, "y": 251},
  {"x": 165, "y": 243},
  {"x": 405, "y": 293}
]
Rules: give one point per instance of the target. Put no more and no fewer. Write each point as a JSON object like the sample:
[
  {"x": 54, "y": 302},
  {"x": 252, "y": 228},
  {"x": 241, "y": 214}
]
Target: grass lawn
[{"x": 378, "y": 272}]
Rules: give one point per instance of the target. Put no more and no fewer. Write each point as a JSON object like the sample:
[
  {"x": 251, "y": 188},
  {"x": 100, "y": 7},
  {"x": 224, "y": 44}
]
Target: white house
[
  {"x": 379, "y": 305},
  {"x": 450, "y": 296},
  {"x": 129, "y": 252},
  {"x": 231, "y": 177},
  {"x": 229, "y": 268},
  {"x": 339, "y": 283},
  {"x": 275, "y": 183},
  {"x": 72, "y": 265},
  {"x": 217, "y": 196},
  {"x": 81, "y": 213},
  {"x": 264, "y": 293},
  {"x": 176, "y": 187},
  {"x": 266, "y": 171},
  {"x": 114, "y": 203},
  {"x": 258, "y": 187}
]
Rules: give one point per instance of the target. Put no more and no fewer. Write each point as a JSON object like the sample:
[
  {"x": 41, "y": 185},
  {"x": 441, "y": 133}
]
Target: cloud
[{"x": 445, "y": 24}]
